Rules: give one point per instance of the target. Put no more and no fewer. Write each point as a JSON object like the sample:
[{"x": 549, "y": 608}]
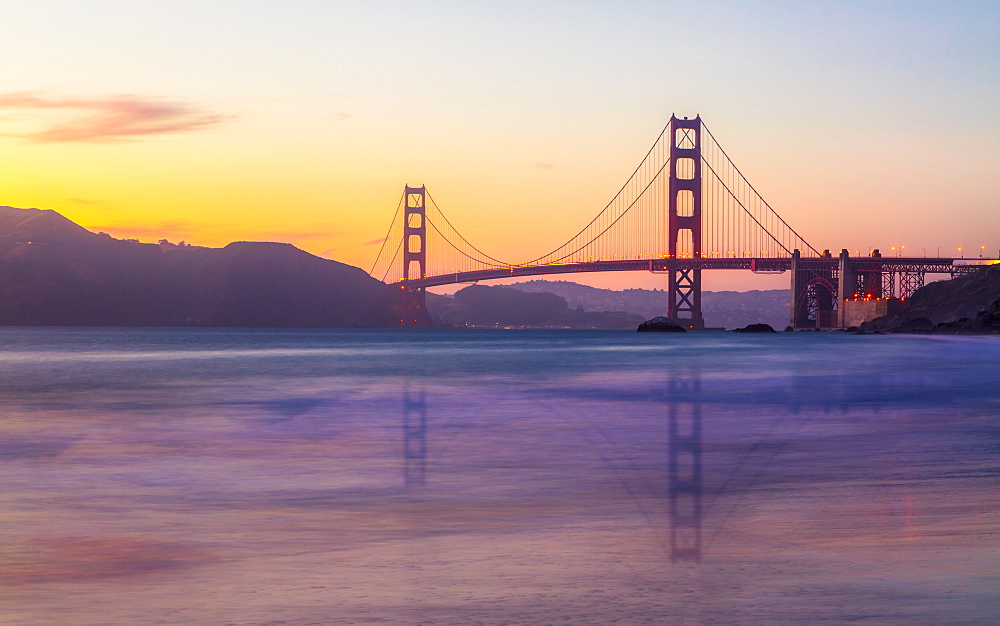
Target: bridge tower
[
  {"x": 684, "y": 220},
  {"x": 414, "y": 305}
]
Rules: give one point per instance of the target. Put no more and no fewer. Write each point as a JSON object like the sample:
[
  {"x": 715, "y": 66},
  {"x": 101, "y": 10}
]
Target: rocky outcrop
[
  {"x": 984, "y": 323},
  {"x": 661, "y": 324},
  {"x": 755, "y": 328},
  {"x": 964, "y": 305}
]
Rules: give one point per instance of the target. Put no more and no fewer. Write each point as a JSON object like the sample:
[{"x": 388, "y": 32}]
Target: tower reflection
[
  {"x": 684, "y": 464},
  {"x": 414, "y": 435}
]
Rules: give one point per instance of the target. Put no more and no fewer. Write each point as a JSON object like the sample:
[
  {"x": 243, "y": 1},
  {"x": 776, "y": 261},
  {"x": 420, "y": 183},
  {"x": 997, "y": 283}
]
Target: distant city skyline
[{"x": 866, "y": 125}]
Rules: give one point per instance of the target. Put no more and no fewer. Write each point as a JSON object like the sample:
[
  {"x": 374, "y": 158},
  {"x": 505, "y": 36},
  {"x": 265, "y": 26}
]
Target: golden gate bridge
[{"x": 685, "y": 209}]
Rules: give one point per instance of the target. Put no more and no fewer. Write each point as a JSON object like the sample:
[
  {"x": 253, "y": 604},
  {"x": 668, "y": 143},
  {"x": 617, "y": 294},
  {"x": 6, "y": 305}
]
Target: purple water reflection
[{"x": 325, "y": 476}]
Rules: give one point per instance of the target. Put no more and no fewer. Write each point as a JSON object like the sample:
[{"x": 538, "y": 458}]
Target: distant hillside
[
  {"x": 728, "y": 309},
  {"x": 493, "y": 306},
  {"x": 55, "y": 272}
]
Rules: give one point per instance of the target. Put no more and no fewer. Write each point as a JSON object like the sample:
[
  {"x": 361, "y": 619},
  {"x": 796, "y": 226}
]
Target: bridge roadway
[{"x": 759, "y": 265}]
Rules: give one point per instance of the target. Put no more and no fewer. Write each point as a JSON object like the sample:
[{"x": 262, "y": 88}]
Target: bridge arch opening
[{"x": 821, "y": 299}]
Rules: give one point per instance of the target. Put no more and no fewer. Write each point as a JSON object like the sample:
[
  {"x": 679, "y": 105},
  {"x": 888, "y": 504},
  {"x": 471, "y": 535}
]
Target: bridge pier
[
  {"x": 798, "y": 312},
  {"x": 847, "y": 286},
  {"x": 413, "y": 308},
  {"x": 814, "y": 292},
  {"x": 871, "y": 282}
]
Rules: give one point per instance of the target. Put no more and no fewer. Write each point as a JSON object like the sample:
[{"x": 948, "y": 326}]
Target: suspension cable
[
  {"x": 608, "y": 227},
  {"x": 462, "y": 237},
  {"x": 393, "y": 260},
  {"x": 722, "y": 150},
  {"x": 462, "y": 252},
  {"x": 608, "y": 205},
  {"x": 387, "y": 235},
  {"x": 740, "y": 202}
]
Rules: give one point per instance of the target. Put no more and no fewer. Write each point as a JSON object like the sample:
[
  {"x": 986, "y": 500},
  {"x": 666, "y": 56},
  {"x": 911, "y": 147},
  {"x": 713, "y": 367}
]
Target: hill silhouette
[
  {"x": 55, "y": 272},
  {"x": 498, "y": 305},
  {"x": 729, "y": 309}
]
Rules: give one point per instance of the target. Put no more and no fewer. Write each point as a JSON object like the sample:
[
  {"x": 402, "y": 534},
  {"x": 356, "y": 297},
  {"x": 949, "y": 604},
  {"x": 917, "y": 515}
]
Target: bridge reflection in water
[
  {"x": 751, "y": 428},
  {"x": 684, "y": 455},
  {"x": 414, "y": 434},
  {"x": 684, "y": 464},
  {"x": 682, "y": 407}
]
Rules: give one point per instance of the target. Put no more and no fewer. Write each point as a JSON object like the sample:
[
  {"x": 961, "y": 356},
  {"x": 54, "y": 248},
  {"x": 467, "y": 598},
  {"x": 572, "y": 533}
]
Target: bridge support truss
[
  {"x": 684, "y": 220},
  {"x": 910, "y": 282},
  {"x": 414, "y": 302}
]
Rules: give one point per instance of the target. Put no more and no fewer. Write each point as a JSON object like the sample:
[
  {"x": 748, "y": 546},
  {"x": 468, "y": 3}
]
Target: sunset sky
[{"x": 865, "y": 124}]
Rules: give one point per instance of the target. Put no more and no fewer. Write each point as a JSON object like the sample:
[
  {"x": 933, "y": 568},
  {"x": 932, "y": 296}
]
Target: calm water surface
[{"x": 588, "y": 477}]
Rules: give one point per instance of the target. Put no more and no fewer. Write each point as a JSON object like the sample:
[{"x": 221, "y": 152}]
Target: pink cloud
[
  {"x": 111, "y": 118},
  {"x": 374, "y": 242}
]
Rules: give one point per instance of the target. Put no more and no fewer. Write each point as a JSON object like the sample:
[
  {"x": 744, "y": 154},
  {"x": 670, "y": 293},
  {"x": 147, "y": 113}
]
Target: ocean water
[{"x": 326, "y": 476}]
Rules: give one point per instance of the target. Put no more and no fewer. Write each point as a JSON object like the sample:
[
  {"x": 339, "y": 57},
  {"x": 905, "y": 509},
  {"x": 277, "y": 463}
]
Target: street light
[{"x": 962, "y": 253}]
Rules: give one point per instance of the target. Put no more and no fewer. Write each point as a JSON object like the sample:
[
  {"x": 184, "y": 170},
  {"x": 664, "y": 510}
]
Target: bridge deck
[{"x": 762, "y": 265}]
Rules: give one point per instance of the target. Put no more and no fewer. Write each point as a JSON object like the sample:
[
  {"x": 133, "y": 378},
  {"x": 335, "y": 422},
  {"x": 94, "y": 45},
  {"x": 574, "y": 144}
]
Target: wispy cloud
[
  {"x": 374, "y": 242},
  {"x": 542, "y": 165},
  {"x": 111, "y": 118}
]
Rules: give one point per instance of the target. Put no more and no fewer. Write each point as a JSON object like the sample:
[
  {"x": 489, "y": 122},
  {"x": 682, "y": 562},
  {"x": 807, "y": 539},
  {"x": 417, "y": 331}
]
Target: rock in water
[
  {"x": 755, "y": 328},
  {"x": 661, "y": 324}
]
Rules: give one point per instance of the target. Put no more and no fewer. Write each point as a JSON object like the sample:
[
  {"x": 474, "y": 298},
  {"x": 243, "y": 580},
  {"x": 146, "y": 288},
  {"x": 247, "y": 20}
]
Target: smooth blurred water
[{"x": 521, "y": 476}]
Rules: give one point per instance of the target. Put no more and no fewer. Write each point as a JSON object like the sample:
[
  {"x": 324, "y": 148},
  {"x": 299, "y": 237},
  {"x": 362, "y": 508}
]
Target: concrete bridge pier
[
  {"x": 846, "y": 285},
  {"x": 413, "y": 308},
  {"x": 813, "y": 293},
  {"x": 798, "y": 307}
]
